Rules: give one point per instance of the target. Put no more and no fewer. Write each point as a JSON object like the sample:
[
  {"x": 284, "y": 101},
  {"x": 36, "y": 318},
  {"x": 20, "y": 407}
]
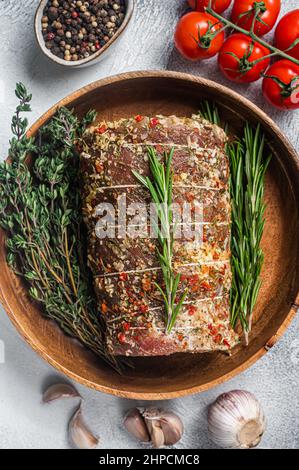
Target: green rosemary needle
[
  {"x": 160, "y": 188},
  {"x": 248, "y": 166}
]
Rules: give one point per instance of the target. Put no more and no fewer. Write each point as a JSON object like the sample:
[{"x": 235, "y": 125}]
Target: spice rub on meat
[{"x": 126, "y": 270}]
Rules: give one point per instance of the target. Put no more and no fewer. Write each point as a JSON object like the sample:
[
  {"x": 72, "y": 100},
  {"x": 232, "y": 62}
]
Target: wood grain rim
[{"x": 262, "y": 117}]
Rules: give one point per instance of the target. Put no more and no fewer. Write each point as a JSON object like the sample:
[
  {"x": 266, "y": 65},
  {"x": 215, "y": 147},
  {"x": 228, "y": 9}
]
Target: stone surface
[{"x": 24, "y": 422}]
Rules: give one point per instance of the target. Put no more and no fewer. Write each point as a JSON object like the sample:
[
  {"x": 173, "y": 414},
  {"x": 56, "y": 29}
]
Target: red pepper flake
[
  {"x": 226, "y": 343},
  {"x": 212, "y": 329},
  {"x": 139, "y": 118},
  {"x": 146, "y": 284},
  {"x": 193, "y": 279},
  {"x": 121, "y": 338},
  {"x": 99, "y": 167},
  {"x": 205, "y": 285},
  {"x": 123, "y": 276},
  {"x": 104, "y": 308},
  {"x": 154, "y": 122},
  {"x": 217, "y": 339},
  {"x": 101, "y": 130},
  {"x": 216, "y": 256},
  {"x": 190, "y": 197},
  {"x": 127, "y": 326},
  {"x": 143, "y": 308},
  {"x": 180, "y": 337},
  {"x": 159, "y": 148},
  {"x": 191, "y": 310}
]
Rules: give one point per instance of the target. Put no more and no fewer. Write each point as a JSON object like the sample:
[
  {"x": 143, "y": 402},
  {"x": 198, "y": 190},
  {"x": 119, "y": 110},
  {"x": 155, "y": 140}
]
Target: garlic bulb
[
  {"x": 161, "y": 427},
  {"x": 59, "y": 390},
  {"x": 79, "y": 434},
  {"x": 236, "y": 420}
]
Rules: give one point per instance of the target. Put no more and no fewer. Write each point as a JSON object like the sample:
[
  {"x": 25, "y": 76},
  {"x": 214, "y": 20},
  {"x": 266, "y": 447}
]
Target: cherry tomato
[
  {"x": 197, "y": 36},
  {"x": 243, "y": 14},
  {"x": 287, "y": 32},
  {"x": 281, "y": 85},
  {"x": 218, "y": 5},
  {"x": 237, "y": 59}
]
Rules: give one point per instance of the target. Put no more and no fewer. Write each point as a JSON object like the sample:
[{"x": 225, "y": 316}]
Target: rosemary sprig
[
  {"x": 248, "y": 166},
  {"x": 40, "y": 210},
  {"x": 160, "y": 188}
]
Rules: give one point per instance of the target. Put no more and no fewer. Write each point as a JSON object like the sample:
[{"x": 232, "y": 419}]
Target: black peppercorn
[
  {"x": 52, "y": 13},
  {"x": 73, "y": 30}
]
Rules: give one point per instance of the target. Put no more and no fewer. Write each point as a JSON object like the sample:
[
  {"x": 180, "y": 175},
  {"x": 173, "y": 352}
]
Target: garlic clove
[
  {"x": 79, "y": 434},
  {"x": 165, "y": 427},
  {"x": 59, "y": 390},
  {"x": 172, "y": 427},
  {"x": 236, "y": 420},
  {"x": 135, "y": 425},
  {"x": 154, "y": 424},
  {"x": 156, "y": 433}
]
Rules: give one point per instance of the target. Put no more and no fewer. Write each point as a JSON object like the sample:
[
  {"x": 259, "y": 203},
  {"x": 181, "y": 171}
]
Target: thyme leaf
[{"x": 40, "y": 210}]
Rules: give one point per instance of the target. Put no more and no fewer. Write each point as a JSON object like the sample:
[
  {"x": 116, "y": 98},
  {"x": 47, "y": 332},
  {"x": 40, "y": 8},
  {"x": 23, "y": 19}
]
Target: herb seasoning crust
[{"x": 126, "y": 269}]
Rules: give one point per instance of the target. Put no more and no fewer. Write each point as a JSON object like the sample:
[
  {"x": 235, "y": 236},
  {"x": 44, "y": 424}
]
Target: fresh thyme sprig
[
  {"x": 40, "y": 210},
  {"x": 248, "y": 166},
  {"x": 160, "y": 188}
]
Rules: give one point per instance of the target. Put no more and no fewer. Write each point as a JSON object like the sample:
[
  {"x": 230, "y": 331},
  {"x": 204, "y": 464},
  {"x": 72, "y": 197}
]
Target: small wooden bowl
[
  {"x": 151, "y": 93},
  {"x": 94, "y": 58}
]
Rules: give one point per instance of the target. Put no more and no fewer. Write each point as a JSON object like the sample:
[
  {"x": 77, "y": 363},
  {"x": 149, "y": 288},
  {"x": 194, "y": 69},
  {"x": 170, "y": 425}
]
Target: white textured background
[{"x": 24, "y": 422}]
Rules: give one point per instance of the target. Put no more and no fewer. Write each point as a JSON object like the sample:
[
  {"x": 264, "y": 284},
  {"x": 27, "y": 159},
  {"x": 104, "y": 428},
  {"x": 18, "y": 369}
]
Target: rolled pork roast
[{"x": 126, "y": 269}]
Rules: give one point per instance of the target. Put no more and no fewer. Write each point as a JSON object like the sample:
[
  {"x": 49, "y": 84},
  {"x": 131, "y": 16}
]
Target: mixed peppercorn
[{"x": 74, "y": 30}]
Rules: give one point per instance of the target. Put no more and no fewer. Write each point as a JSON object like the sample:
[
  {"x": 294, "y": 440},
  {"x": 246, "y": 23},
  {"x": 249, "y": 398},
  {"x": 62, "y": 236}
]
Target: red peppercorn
[
  {"x": 101, "y": 130},
  {"x": 143, "y": 308},
  {"x": 74, "y": 14},
  {"x": 154, "y": 122},
  {"x": 138, "y": 118},
  {"x": 50, "y": 36},
  {"x": 192, "y": 310},
  {"x": 121, "y": 338},
  {"x": 127, "y": 326}
]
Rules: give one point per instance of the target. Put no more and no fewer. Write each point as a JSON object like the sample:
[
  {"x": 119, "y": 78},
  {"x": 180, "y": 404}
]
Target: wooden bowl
[
  {"x": 169, "y": 377},
  {"x": 93, "y": 59}
]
